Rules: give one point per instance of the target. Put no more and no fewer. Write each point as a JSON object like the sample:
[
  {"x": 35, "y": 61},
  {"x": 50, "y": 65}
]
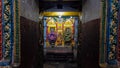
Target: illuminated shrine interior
[{"x": 59, "y": 33}]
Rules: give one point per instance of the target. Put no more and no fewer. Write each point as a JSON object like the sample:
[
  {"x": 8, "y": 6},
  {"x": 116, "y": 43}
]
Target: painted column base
[
  {"x": 103, "y": 65},
  {"x": 112, "y": 66},
  {"x": 15, "y": 65},
  {"x": 5, "y": 67}
]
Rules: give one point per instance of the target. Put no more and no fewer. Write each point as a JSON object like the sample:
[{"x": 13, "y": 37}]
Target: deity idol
[{"x": 52, "y": 37}]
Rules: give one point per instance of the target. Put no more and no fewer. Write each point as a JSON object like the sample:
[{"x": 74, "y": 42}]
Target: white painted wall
[
  {"x": 91, "y": 10},
  {"x": 29, "y": 9}
]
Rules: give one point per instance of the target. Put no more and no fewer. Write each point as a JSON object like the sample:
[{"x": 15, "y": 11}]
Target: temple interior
[{"x": 59, "y": 33}]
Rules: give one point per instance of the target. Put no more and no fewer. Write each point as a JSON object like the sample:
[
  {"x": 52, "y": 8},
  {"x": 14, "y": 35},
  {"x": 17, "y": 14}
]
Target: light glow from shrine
[{"x": 61, "y": 13}]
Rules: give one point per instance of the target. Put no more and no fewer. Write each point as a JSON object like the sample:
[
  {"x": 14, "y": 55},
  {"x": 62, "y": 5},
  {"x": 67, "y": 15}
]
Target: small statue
[
  {"x": 59, "y": 39},
  {"x": 67, "y": 36},
  {"x": 52, "y": 37}
]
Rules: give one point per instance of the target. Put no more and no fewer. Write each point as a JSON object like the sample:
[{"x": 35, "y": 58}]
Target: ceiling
[{"x": 48, "y": 4}]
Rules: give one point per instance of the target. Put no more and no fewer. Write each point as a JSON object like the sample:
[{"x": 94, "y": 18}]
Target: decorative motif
[
  {"x": 112, "y": 28},
  {"x": 109, "y": 32},
  {"x": 7, "y": 30}
]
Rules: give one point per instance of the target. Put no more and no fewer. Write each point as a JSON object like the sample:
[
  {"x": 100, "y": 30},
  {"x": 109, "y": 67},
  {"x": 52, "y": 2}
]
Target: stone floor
[
  {"x": 59, "y": 65},
  {"x": 60, "y": 52},
  {"x": 5, "y": 67}
]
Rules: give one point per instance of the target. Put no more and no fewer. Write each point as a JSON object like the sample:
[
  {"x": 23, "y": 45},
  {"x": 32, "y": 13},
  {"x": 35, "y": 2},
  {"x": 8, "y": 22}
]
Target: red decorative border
[
  {"x": 118, "y": 49},
  {"x": 119, "y": 42}
]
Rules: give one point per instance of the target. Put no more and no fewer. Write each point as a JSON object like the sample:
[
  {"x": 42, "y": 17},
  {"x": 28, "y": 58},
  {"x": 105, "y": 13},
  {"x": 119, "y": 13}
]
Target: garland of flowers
[
  {"x": 0, "y": 29},
  {"x": 112, "y": 27}
]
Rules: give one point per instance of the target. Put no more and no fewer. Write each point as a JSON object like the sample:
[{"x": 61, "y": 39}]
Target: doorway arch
[{"x": 67, "y": 15}]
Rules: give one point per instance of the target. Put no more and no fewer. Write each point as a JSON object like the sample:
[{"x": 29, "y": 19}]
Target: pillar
[
  {"x": 9, "y": 33},
  {"x": 109, "y": 33}
]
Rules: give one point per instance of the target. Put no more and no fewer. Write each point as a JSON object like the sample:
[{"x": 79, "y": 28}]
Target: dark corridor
[
  {"x": 87, "y": 51},
  {"x": 32, "y": 46}
]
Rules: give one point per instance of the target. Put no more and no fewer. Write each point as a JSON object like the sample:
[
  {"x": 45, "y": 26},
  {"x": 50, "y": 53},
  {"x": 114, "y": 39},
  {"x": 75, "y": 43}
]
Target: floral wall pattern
[
  {"x": 109, "y": 32},
  {"x": 9, "y": 32},
  {"x": 112, "y": 30}
]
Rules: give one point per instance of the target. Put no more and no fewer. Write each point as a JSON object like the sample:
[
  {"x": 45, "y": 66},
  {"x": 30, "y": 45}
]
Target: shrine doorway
[{"x": 61, "y": 37}]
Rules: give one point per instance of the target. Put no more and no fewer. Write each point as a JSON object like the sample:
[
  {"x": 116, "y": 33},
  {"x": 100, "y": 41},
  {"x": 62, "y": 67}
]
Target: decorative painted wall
[
  {"x": 109, "y": 33},
  {"x": 112, "y": 32},
  {"x": 9, "y": 32}
]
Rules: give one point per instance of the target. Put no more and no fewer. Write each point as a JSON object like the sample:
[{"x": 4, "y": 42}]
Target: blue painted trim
[
  {"x": 2, "y": 28},
  {"x": 76, "y": 30},
  {"x": 44, "y": 31},
  {"x": 108, "y": 31},
  {"x": 3, "y": 63},
  {"x": 109, "y": 20},
  {"x": 12, "y": 30}
]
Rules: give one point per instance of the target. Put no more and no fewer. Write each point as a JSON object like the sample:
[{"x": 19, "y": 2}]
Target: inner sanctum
[{"x": 60, "y": 31}]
